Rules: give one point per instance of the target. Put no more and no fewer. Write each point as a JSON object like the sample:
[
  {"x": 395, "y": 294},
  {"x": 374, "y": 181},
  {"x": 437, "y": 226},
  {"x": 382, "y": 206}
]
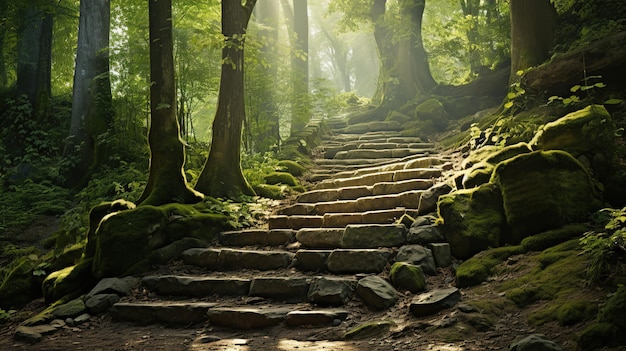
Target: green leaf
[
  {"x": 613, "y": 101},
  {"x": 508, "y": 105},
  {"x": 511, "y": 95},
  {"x": 575, "y": 88},
  {"x": 600, "y": 85}
]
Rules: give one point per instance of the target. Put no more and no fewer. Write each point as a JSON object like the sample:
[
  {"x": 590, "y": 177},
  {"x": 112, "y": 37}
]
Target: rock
[
  {"x": 369, "y": 330},
  {"x": 357, "y": 261},
  {"x": 614, "y": 311},
  {"x": 280, "y": 288},
  {"x": 230, "y": 259},
  {"x": 376, "y": 292},
  {"x": 281, "y": 178},
  {"x": 479, "y": 174},
  {"x": 72, "y": 281},
  {"x": 70, "y": 309},
  {"x": 162, "y": 312},
  {"x": 118, "y": 286},
  {"x": 201, "y": 257},
  {"x": 330, "y": 291},
  {"x": 100, "y": 303},
  {"x": 312, "y": 260},
  {"x": 370, "y": 236},
  {"x": 424, "y": 234},
  {"x": 432, "y": 110},
  {"x": 20, "y": 286},
  {"x": 247, "y": 318},
  {"x": 544, "y": 190},
  {"x": 325, "y": 317},
  {"x": 441, "y": 253},
  {"x": 583, "y": 132},
  {"x": 534, "y": 342},
  {"x": 197, "y": 285},
  {"x": 258, "y": 237},
  {"x": 408, "y": 276},
  {"x": 429, "y": 198},
  {"x": 419, "y": 255},
  {"x": 320, "y": 237},
  {"x": 82, "y": 318},
  {"x": 33, "y": 334},
  {"x": 473, "y": 219},
  {"x": 434, "y": 301},
  {"x": 292, "y": 167}
]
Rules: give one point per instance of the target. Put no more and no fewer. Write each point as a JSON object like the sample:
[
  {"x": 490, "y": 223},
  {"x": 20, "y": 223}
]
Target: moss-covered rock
[
  {"x": 96, "y": 214},
  {"x": 584, "y": 132},
  {"x": 398, "y": 117},
  {"x": 69, "y": 282},
  {"x": 542, "y": 241},
  {"x": 126, "y": 238},
  {"x": 478, "y": 268},
  {"x": 614, "y": 311},
  {"x": 432, "y": 110},
  {"x": 598, "y": 335},
  {"x": 293, "y": 167},
  {"x": 408, "y": 276},
  {"x": 20, "y": 285},
  {"x": 275, "y": 192},
  {"x": 479, "y": 174},
  {"x": 544, "y": 190},
  {"x": 281, "y": 178},
  {"x": 473, "y": 219}
]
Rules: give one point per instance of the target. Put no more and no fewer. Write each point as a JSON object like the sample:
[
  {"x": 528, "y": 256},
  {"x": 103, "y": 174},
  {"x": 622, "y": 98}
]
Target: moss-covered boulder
[
  {"x": 479, "y": 174},
  {"x": 432, "y": 110},
  {"x": 584, "y": 132},
  {"x": 614, "y": 311},
  {"x": 482, "y": 162},
  {"x": 408, "y": 276},
  {"x": 473, "y": 219},
  {"x": 544, "y": 190},
  {"x": 398, "y": 117},
  {"x": 281, "y": 178},
  {"x": 269, "y": 191},
  {"x": 292, "y": 167},
  {"x": 69, "y": 282},
  {"x": 126, "y": 238},
  {"x": 21, "y": 285},
  {"x": 96, "y": 214},
  {"x": 478, "y": 268}
]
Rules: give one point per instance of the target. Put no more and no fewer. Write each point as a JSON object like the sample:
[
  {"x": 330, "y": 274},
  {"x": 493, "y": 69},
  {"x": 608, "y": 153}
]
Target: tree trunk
[
  {"x": 222, "y": 175},
  {"x": 533, "y": 25},
  {"x": 34, "y": 59},
  {"x": 166, "y": 182},
  {"x": 300, "y": 67},
  {"x": 3, "y": 29},
  {"x": 92, "y": 105}
]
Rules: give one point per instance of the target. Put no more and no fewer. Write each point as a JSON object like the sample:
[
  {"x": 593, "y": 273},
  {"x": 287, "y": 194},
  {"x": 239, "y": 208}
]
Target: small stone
[
  {"x": 534, "y": 342},
  {"x": 82, "y": 318}
]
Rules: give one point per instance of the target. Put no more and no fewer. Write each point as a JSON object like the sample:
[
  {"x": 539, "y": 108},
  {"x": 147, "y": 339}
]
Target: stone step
[
  {"x": 381, "y": 177},
  {"x": 340, "y": 219},
  {"x": 360, "y": 128},
  {"x": 380, "y": 154},
  {"x": 257, "y": 237},
  {"x": 227, "y": 259},
  {"x": 331, "y": 150},
  {"x": 422, "y": 162},
  {"x": 406, "y": 199},
  {"x": 238, "y": 317},
  {"x": 380, "y": 135}
]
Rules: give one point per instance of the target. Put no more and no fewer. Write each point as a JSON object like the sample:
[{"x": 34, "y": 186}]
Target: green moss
[
  {"x": 479, "y": 174},
  {"x": 293, "y": 167},
  {"x": 271, "y": 191},
  {"x": 478, "y": 268},
  {"x": 281, "y": 178},
  {"x": 20, "y": 286},
  {"x": 398, "y": 117},
  {"x": 69, "y": 282},
  {"x": 544, "y": 190},
  {"x": 554, "y": 237},
  {"x": 554, "y": 283},
  {"x": 473, "y": 219},
  {"x": 598, "y": 335},
  {"x": 408, "y": 276},
  {"x": 615, "y": 309},
  {"x": 570, "y": 312}
]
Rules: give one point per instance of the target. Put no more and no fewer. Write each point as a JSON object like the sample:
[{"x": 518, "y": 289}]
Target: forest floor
[{"x": 449, "y": 330}]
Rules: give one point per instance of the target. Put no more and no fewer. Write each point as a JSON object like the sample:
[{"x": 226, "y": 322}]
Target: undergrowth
[{"x": 606, "y": 248}]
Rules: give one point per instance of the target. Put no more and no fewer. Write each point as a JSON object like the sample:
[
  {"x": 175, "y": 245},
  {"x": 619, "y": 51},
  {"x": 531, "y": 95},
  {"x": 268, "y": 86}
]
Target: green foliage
[
  {"x": 22, "y": 203},
  {"x": 606, "y": 248}
]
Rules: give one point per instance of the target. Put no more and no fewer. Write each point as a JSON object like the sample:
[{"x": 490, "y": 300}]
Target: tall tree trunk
[
  {"x": 301, "y": 113},
  {"x": 92, "y": 105},
  {"x": 3, "y": 29},
  {"x": 166, "y": 182},
  {"x": 533, "y": 25},
  {"x": 222, "y": 175},
  {"x": 34, "y": 59}
]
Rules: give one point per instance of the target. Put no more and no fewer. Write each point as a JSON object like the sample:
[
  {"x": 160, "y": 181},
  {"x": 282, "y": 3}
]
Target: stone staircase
[{"x": 324, "y": 256}]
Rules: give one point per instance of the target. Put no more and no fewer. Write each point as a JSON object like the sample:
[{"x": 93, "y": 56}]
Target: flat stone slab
[
  {"x": 371, "y": 236},
  {"x": 232, "y": 259},
  {"x": 434, "y": 301},
  {"x": 401, "y": 186},
  {"x": 319, "y": 196},
  {"x": 376, "y": 292},
  {"x": 350, "y": 261},
  {"x": 257, "y": 237},
  {"x": 181, "y": 313},
  {"x": 247, "y": 318},
  {"x": 334, "y": 220},
  {"x": 197, "y": 286},
  {"x": 33, "y": 334},
  {"x": 316, "y": 317},
  {"x": 280, "y": 288},
  {"x": 312, "y": 260},
  {"x": 383, "y": 216},
  {"x": 320, "y": 238}
]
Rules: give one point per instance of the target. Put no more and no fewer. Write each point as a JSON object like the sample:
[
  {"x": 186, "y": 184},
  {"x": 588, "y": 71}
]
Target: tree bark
[
  {"x": 34, "y": 59},
  {"x": 222, "y": 175},
  {"x": 166, "y": 182},
  {"x": 92, "y": 105},
  {"x": 533, "y": 25},
  {"x": 300, "y": 67}
]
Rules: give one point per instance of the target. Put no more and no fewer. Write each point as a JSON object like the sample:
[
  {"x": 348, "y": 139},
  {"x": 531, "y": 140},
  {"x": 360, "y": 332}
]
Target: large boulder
[
  {"x": 544, "y": 190},
  {"x": 432, "y": 110},
  {"x": 588, "y": 132},
  {"x": 127, "y": 238},
  {"x": 473, "y": 219}
]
